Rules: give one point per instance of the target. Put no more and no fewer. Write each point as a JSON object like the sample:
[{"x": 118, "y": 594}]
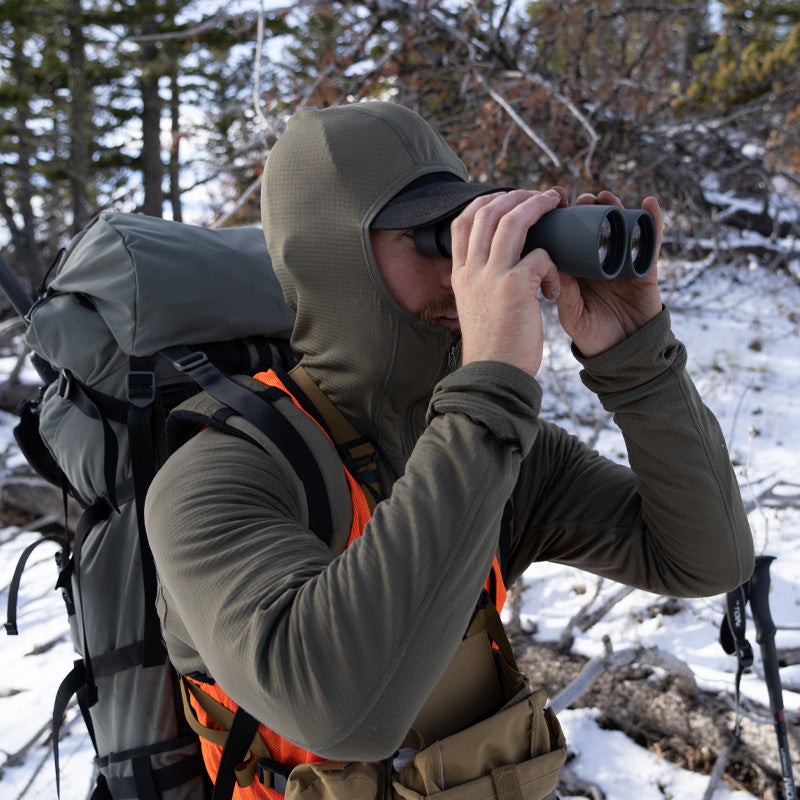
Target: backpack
[{"x": 115, "y": 337}]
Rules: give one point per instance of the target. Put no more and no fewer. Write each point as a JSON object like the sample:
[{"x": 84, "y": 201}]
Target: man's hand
[
  {"x": 496, "y": 292},
  {"x": 597, "y": 314}
]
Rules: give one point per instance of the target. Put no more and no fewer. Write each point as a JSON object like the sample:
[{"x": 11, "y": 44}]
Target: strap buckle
[
  {"x": 140, "y": 388},
  {"x": 190, "y": 361},
  {"x": 272, "y": 773}
]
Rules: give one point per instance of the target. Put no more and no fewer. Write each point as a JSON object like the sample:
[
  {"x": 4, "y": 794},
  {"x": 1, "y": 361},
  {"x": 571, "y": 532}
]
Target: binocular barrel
[{"x": 588, "y": 241}]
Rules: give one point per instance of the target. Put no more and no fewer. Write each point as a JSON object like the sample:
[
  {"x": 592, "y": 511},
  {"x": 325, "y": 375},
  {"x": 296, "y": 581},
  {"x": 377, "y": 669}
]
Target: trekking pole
[
  {"x": 765, "y": 636},
  {"x": 732, "y": 637},
  {"x": 14, "y": 290}
]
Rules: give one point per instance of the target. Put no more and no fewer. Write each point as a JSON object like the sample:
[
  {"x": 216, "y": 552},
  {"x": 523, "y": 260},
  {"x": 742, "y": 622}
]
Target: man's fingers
[
  {"x": 491, "y": 233},
  {"x": 551, "y": 283},
  {"x": 604, "y": 198},
  {"x": 462, "y": 225},
  {"x": 651, "y": 204}
]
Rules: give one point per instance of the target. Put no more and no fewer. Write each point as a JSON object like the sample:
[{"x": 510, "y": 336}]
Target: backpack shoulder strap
[
  {"x": 356, "y": 452},
  {"x": 266, "y": 417}
]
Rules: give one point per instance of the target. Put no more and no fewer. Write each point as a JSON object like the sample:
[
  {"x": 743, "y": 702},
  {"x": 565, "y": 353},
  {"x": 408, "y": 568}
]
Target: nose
[{"x": 445, "y": 272}]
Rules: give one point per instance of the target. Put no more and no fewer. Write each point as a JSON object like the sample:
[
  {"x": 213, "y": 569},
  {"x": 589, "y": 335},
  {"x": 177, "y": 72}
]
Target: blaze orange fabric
[{"x": 280, "y": 749}]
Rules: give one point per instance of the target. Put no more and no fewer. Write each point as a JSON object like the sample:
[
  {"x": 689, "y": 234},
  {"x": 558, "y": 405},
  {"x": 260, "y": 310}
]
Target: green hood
[{"x": 324, "y": 181}]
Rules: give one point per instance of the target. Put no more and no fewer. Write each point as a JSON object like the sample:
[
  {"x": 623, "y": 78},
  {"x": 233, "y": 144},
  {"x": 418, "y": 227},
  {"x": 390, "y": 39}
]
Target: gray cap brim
[{"x": 429, "y": 199}]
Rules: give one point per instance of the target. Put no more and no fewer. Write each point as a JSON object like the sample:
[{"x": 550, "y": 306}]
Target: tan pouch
[
  {"x": 515, "y": 754},
  {"x": 330, "y": 780}
]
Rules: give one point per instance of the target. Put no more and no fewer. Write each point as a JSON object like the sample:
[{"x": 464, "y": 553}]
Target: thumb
[{"x": 569, "y": 304}]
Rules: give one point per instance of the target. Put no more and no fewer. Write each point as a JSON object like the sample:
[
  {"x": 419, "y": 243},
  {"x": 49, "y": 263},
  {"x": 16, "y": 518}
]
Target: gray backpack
[{"x": 140, "y": 315}]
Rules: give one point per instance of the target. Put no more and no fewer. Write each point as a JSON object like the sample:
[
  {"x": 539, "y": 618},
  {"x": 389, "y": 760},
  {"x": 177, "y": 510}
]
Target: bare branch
[
  {"x": 529, "y": 132},
  {"x": 594, "y": 136},
  {"x": 243, "y": 198}
]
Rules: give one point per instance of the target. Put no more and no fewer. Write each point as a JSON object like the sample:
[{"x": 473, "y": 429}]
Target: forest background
[{"x": 170, "y": 108}]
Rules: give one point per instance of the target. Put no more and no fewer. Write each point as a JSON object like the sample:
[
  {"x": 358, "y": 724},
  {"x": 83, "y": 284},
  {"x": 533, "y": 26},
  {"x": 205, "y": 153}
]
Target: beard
[{"x": 430, "y": 314}]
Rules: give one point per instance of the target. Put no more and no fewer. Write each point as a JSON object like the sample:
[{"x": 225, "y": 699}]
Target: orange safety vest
[{"x": 280, "y": 749}]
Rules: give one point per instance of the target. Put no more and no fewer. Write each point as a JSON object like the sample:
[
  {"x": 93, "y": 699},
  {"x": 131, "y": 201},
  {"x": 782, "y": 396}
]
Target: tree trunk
[
  {"x": 151, "y": 163},
  {"x": 79, "y": 115},
  {"x": 174, "y": 151},
  {"x": 25, "y": 236}
]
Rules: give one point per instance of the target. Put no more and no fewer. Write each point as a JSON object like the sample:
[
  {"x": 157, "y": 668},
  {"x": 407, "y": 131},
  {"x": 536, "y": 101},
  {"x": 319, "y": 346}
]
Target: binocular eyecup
[{"x": 590, "y": 241}]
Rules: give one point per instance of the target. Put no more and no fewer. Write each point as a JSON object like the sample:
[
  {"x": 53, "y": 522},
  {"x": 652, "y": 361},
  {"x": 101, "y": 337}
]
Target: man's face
[{"x": 420, "y": 284}]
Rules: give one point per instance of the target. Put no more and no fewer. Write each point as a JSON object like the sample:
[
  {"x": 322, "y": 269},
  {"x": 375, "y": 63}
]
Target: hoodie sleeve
[
  {"x": 338, "y": 654},
  {"x": 673, "y": 522}
]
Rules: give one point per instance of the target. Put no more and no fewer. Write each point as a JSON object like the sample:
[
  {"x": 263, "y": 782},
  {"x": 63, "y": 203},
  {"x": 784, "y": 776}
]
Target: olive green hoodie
[
  {"x": 338, "y": 651},
  {"x": 374, "y": 360}
]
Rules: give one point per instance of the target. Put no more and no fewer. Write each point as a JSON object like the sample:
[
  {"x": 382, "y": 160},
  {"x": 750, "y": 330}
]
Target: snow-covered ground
[{"x": 742, "y": 328}]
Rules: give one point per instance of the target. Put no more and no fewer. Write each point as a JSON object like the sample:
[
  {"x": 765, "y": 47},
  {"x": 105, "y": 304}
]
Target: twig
[
  {"x": 18, "y": 758},
  {"x": 257, "y": 68},
  {"x": 584, "y": 619},
  {"x": 243, "y": 198},
  {"x": 594, "y": 137},
  {"x": 10, "y": 325},
  {"x": 748, "y": 710},
  {"x": 770, "y": 499},
  {"x": 719, "y": 769},
  {"x": 48, "y": 755},
  {"x": 529, "y": 132},
  {"x": 33, "y": 525},
  {"x": 601, "y": 423},
  {"x": 746, "y": 474},
  {"x": 565, "y": 642}
]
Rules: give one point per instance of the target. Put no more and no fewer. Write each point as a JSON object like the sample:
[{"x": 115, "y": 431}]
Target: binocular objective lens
[{"x": 604, "y": 241}]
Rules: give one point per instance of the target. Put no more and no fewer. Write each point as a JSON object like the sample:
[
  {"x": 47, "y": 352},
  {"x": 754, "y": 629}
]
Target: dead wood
[
  {"x": 663, "y": 713},
  {"x": 33, "y": 497}
]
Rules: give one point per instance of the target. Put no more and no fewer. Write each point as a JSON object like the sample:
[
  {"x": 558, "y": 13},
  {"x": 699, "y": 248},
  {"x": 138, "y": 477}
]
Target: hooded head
[{"x": 328, "y": 179}]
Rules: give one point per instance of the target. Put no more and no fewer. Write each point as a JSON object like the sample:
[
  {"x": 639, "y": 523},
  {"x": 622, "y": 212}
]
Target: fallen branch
[
  {"x": 586, "y": 619},
  {"x": 719, "y": 769},
  {"x": 18, "y": 758},
  {"x": 772, "y": 499},
  {"x": 593, "y": 669}
]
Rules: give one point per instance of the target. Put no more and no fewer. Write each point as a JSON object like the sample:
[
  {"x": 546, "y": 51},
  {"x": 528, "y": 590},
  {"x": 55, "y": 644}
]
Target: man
[{"x": 433, "y": 361}]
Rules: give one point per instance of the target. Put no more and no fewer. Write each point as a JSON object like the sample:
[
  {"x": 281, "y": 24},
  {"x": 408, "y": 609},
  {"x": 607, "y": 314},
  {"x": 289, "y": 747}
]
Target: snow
[{"x": 742, "y": 329}]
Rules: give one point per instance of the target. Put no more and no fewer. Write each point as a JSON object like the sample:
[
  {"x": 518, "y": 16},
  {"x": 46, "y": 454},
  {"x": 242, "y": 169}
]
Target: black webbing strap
[
  {"x": 30, "y": 442},
  {"x": 113, "y": 661},
  {"x": 237, "y": 744},
  {"x": 504, "y": 542},
  {"x": 733, "y": 640},
  {"x": 95, "y": 513},
  {"x": 13, "y": 589},
  {"x": 73, "y": 685},
  {"x": 300, "y": 394},
  {"x": 146, "y": 782},
  {"x": 102, "y": 408},
  {"x": 101, "y": 790},
  {"x": 258, "y": 408},
  {"x": 161, "y": 780},
  {"x": 140, "y": 392},
  {"x": 273, "y": 773},
  {"x": 143, "y": 779}
]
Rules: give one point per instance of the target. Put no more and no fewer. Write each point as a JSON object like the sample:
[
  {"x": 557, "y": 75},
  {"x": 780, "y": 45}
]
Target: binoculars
[{"x": 588, "y": 241}]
